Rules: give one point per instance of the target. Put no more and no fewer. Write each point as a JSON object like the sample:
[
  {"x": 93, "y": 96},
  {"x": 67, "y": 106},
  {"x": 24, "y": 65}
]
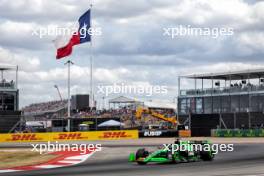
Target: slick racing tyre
[
  {"x": 206, "y": 156},
  {"x": 141, "y": 153}
]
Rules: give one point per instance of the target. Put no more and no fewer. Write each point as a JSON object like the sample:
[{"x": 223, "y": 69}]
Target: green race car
[{"x": 180, "y": 151}]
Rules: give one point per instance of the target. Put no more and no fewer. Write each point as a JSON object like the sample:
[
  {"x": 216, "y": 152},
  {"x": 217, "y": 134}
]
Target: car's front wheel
[{"x": 141, "y": 153}]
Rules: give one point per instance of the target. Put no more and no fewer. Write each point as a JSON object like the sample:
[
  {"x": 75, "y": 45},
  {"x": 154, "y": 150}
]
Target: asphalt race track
[{"x": 247, "y": 159}]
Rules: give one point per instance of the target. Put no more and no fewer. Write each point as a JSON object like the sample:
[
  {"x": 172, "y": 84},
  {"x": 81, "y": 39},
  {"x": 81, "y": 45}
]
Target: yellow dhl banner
[{"x": 69, "y": 136}]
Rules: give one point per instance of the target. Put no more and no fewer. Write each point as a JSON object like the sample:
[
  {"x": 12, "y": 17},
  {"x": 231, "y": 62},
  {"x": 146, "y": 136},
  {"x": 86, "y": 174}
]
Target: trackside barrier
[
  {"x": 164, "y": 133},
  {"x": 69, "y": 136},
  {"x": 237, "y": 133},
  {"x": 158, "y": 133}
]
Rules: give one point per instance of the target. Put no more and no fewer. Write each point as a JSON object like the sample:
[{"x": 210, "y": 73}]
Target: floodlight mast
[
  {"x": 56, "y": 87},
  {"x": 69, "y": 63}
]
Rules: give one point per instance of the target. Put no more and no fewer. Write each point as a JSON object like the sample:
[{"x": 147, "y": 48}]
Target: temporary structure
[{"x": 111, "y": 123}]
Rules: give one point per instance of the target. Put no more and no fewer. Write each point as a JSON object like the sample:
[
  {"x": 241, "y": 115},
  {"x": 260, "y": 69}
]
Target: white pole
[
  {"x": 91, "y": 77},
  {"x": 91, "y": 62},
  {"x": 69, "y": 62},
  {"x": 69, "y": 87}
]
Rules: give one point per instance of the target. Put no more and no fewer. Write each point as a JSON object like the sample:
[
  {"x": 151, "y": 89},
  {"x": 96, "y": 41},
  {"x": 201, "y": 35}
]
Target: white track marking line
[
  {"x": 8, "y": 170},
  {"x": 68, "y": 161},
  {"x": 82, "y": 158},
  {"x": 78, "y": 157},
  {"x": 48, "y": 166}
]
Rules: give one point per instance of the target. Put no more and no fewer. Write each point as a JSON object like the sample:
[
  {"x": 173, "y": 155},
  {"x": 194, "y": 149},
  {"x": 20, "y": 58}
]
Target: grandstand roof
[
  {"x": 231, "y": 75},
  {"x": 161, "y": 105},
  {"x": 33, "y": 123},
  {"x": 7, "y": 67},
  {"x": 122, "y": 99}
]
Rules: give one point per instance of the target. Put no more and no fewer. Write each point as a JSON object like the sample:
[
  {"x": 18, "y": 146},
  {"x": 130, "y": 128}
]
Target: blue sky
[{"x": 132, "y": 47}]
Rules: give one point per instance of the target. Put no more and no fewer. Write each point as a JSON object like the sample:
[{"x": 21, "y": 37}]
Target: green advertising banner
[{"x": 238, "y": 133}]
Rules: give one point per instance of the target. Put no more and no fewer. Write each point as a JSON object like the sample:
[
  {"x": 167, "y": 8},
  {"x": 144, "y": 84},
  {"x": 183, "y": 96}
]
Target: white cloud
[
  {"x": 253, "y": 40},
  {"x": 132, "y": 48},
  {"x": 24, "y": 62}
]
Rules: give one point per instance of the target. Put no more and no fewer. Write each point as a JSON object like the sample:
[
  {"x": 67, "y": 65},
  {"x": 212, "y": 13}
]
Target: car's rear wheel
[
  {"x": 206, "y": 156},
  {"x": 141, "y": 163}
]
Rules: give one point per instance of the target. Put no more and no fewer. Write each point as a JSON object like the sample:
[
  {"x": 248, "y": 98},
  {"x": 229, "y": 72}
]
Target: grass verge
[{"x": 11, "y": 158}]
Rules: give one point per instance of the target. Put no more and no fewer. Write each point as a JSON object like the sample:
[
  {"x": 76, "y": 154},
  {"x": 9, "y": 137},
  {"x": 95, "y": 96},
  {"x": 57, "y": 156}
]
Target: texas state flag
[{"x": 64, "y": 43}]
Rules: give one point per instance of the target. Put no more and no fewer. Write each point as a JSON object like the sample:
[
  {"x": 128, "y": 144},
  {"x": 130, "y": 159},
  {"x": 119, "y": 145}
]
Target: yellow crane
[
  {"x": 182, "y": 133},
  {"x": 141, "y": 110}
]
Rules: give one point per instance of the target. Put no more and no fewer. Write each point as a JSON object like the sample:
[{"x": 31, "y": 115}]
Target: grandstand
[
  {"x": 227, "y": 100},
  {"x": 49, "y": 110},
  {"x": 54, "y": 112}
]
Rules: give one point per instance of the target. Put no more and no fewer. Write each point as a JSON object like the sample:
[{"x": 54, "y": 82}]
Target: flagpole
[{"x": 91, "y": 62}]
